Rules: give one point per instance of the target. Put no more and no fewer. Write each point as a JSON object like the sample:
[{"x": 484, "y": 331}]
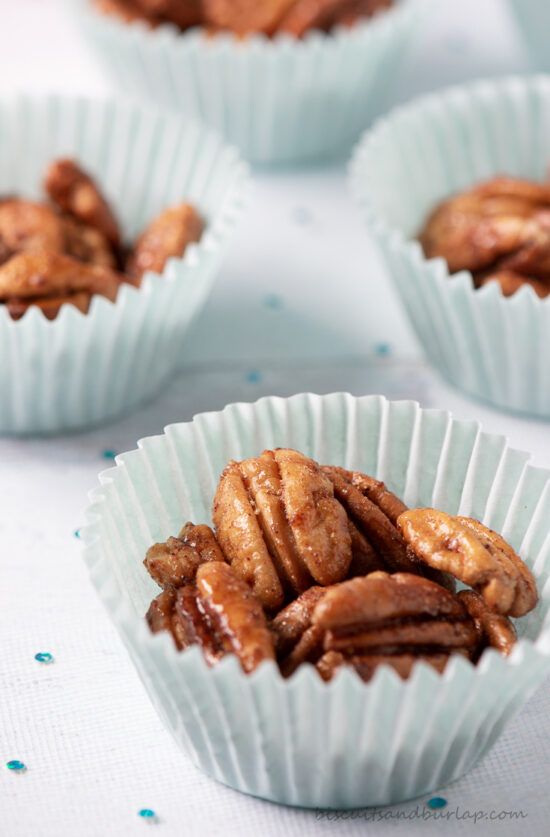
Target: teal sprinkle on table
[
  {"x": 254, "y": 376},
  {"x": 16, "y": 766},
  {"x": 109, "y": 454},
  {"x": 274, "y": 302},
  {"x": 146, "y": 814},
  {"x": 382, "y": 349},
  {"x": 437, "y": 802},
  {"x": 44, "y": 657}
]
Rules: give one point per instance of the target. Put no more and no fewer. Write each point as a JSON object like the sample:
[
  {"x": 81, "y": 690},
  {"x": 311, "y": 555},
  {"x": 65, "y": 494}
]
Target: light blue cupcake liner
[
  {"x": 533, "y": 18},
  {"x": 301, "y": 741},
  {"x": 494, "y": 348},
  {"x": 80, "y": 369},
  {"x": 280, "y": 101}
]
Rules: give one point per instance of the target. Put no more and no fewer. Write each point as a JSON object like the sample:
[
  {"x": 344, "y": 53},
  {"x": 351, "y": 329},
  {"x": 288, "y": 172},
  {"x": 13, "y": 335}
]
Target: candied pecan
[
  {"x": 370, "y": 518},
  {"x": 191, "y": 627},
  {"x": 75, "y": 192},
  {"x": 184, "y": 14},
  {"x": 175, "y": 562},
  {"x": 384, "y": 614},
  {"x": 359, "y": 10},
  {"x": 49, "y": 279},
  {"x": 329, "y": 664},
  {"x": 494, "y": 629},
  {"x": 510, "y": 282},
  {"x": 235, "y": 614},
  {"x": 127, "y": 10},
  {"x": 474, "y": 554},
  {"x": 166, "y": 237},
  {"x": 308, "y": 649},
  {"x": 159, "y": 615},
  {"x": 304, "y": 15},
  {"x": 289, "y": 625},
  {"x": 87, "y": 244},
  {"x": 28, "y": 227},
  {"x": 279, "y": 525},
  {"x": 246, "y": 16},
  {"x": 241, "y": 539}
]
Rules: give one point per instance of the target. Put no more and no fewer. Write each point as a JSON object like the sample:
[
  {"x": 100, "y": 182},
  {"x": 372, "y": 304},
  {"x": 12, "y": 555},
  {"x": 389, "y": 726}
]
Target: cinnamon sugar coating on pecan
[
  {"x": 48, "y": 279},
  {"x": 167, "y": 236},
  {"x": 175, "y": 563},
  {"x": 74, "y": 191},
  {"x": 499, "y": 230},
  {"x": 26, "y": 226},
  {"x": 494, "y": 630},
  {"x": 235, "y": 614},
  {"x": 475, "y": 555},
  {"x": 279, "y": 525}
]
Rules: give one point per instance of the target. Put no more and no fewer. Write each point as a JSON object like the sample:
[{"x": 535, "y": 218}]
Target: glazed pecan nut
[
  {"x": 289, "y": 625},
  {"x": 175, "y": 563},
  {"x": 279, "y": 525},
  {"x": 235, "y": 614},
  {"x": 183, "y": 14},
  {"x": 26, "y": 226},
  {"x": 387, "y": 615},
  {"x": 48, "y": 279},
  {"x": 475, "y": 555},
  {"x": 168, "y": 236},
  {"x": 494, "y": 629},
  {"x": 74, "y": 191},
  {"x": 371, "y": 509},
  {"x": 246, "y": 16}
]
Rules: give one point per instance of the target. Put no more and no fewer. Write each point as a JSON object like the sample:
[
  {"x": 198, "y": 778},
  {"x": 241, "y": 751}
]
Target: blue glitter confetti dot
[
  {"x": 146, "y": 814},
  {"x": 16, "y": 765},
  {"x": 43, "y": 657},
  {"x": 254, "y": 376},
  {"x": 437, "y": 802},
  {"x": 382, "y": 349},
  {"x": 109, "y": 454},
  {"x": 274, "y": 302},
  {"x": 77, "y": 533}
]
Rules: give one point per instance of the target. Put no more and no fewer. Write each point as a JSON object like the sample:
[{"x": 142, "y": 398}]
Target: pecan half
[
  {"x": 380, "y": 616},
  {"x": 29, "y": 227},
  {"x": 183, "y": 14},
  {"x": 235, "y": 614},
  {"x": 246, "y": 16},
  {"x": 75, "y": 192},
  {"x": 166, "y": 237},
  {"x": 494, "y": 629},
  {"x": 289, "y": 625},
  {"x": 175, "y": 563},
  {"x": 48, "y": 279},
  {"x": 474, "y": 554},
  {"x": 372, "y": 510},
  {"x": 87, "y": 244}
]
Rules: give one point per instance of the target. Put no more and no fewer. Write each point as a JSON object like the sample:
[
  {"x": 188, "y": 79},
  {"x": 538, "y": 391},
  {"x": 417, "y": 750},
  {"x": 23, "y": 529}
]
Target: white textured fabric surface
[{"x": 95, "y": 750}]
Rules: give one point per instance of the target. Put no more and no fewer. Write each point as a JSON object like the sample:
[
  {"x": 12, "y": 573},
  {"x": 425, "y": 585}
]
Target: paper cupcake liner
[
  {"x": 533, "y": 18},
  {"x": 495, "y": 348},
  {"x": 80, "y": 369},
  {"x": 302, "y": 741},
  {"x": 280, "y": 101}
]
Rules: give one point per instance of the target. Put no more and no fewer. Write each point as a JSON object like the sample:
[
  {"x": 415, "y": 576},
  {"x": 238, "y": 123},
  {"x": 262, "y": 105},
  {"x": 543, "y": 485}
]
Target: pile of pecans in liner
[
  {"x": 244, "y": 17},
  {"x": 499, "y": 230},
  {"x": 326, "y": 566},
  {"x": 70, "y": 248}
]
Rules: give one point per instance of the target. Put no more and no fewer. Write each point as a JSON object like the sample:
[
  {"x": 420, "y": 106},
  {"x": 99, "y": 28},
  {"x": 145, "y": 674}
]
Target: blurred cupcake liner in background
[
  {"x": 493, "y": 347},
  {"x": 301, "y": 741},
  {"x": 280, "y": 100},
  {"x": 533, "y": 18},
  {"x": 79, "y": 369}
]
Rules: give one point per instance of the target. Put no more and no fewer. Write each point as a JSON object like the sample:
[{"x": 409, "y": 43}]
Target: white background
[{"x": 301, "y": 304}]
